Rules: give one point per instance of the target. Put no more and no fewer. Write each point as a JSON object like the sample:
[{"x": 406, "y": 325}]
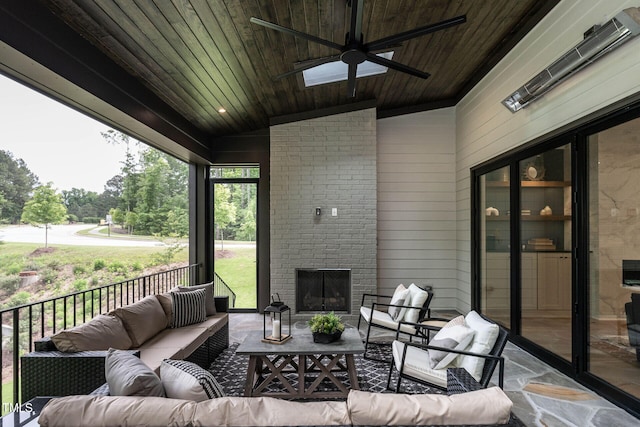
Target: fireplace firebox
[{"x": 323, "y": 289}]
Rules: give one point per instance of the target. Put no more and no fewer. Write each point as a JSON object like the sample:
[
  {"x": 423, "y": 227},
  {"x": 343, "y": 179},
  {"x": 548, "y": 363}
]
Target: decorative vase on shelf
[{"x": 546, "y": 211}]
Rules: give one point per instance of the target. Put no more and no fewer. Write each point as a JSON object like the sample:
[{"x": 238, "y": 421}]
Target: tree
[
  {"x": 224, "y": 210},
  {"x": 44, "y": 208},
  {"x": 16, "y": 184}
]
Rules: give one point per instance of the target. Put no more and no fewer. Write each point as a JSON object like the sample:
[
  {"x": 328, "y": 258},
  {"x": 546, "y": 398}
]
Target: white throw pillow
[
  {"x": 188, "y": 381},
  {"x": 127, "y": 375},
  {"x": 454, "y": 335},
  {"x": 400, "y": 297},
  {"x": 483, "y": 341},
  {"x": 418, "y": 297}
]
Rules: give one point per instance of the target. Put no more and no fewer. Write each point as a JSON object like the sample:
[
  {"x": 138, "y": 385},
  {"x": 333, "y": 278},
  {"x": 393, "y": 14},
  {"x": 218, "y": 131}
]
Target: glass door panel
[
  {"x": 614, "y": 250},
  {"x": 235, "y": 215},
  {"x": 495, "y": 287},
  {"x": 545, "y": 251}
]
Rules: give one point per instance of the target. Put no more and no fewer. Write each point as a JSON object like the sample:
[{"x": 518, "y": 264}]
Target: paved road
[{"x": 66, "y": 234}]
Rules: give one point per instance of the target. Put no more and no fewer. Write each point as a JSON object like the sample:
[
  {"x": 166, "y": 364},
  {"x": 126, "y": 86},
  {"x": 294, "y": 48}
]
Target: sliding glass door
[{"x": 614, "y": 256}]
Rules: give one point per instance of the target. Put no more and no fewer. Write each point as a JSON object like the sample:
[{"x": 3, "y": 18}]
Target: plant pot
[{"x": 323, "y": 338}]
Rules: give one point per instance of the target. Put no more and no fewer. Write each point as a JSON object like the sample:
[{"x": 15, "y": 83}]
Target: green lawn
[{"x": 238, "y": 270}]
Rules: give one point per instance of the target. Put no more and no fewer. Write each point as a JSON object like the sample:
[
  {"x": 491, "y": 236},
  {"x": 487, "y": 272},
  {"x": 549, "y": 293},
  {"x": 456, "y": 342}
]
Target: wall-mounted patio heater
[{"x": 598, "y": 41}]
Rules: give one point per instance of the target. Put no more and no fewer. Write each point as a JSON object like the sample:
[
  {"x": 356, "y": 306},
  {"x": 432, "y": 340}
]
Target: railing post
[{"x": 16, "y": 359}]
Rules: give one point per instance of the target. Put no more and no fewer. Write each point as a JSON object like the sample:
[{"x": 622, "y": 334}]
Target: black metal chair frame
[
  {"x": 493, "y": 358},
  {"x": 424, "y": 311}
]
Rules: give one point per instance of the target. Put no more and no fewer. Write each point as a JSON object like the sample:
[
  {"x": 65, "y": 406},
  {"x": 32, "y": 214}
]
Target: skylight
[{"x": 337, "y": 71}]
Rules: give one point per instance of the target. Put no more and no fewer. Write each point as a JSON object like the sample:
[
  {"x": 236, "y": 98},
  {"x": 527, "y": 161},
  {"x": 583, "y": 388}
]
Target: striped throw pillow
[
  {"x": 188, "y": 381},
  {"x": 188, "y": 308}
]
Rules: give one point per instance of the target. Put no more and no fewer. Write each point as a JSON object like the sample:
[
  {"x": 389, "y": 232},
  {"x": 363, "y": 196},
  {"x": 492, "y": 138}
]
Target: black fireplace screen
[{"x": 323, "y": 290}]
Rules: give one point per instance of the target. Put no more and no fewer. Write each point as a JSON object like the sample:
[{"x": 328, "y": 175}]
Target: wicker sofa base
[{"x": 54, "y": 373}]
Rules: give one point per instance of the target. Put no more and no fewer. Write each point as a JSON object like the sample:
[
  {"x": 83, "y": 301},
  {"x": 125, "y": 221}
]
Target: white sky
[{"x": 57, "y": 143}]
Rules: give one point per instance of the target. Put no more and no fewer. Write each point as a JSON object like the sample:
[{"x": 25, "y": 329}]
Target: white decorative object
[
  {"x": 546, "y": 211},
  {"x": 276, "y": 329}
]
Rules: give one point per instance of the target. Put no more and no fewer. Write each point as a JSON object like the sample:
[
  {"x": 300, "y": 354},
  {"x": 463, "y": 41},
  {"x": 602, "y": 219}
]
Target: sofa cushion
[
  {"x": 166, "y": 302},
  {"x": 484, "y": 338},
  {"x": 188, "y": 308},
  {"x": 103, "y": 411},
  {"x": 100, "y": 333},
  {"x": 400, "y": 297},
  {"x": 269, "y": 411},
  {"x": 127, "y": 375},
  {"x": 418, "y": 298},
  {"x": 142, "y": 319},
  {"x": 186, "y": 380},
  {"x": 489, "y": 406},
  {"x": 453, "y": 335},
  {"x": 209, "y": 301}
]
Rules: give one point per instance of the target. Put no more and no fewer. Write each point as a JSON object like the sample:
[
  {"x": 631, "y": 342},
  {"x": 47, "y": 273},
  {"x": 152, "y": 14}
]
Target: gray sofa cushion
[
  {"x": 142, "y": 319},
  {"x": 127, "y": 375},
  {"x": 100, "y": 333}
]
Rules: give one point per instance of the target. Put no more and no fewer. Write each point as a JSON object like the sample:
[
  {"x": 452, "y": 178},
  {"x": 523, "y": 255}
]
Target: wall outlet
[{"x": 334, "y": 211}]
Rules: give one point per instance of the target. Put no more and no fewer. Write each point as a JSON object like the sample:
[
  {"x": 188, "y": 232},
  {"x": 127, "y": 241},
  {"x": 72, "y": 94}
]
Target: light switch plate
[{"x": 334, "y": 211}]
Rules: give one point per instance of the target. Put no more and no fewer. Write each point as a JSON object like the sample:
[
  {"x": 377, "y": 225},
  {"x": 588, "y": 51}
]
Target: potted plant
[{"x": 326, "y": 328}]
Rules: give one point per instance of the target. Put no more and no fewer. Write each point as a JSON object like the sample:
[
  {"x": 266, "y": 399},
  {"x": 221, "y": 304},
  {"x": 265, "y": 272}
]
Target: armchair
[
  {"x": 414, "y": 306},
  {"x": 480, "y": 357},
  {"x": 632, "y": 310}
]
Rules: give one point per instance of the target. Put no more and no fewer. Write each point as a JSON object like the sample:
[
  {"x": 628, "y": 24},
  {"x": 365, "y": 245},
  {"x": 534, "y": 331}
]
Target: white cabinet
[
  {"x": 529, "y": 267},
  {"x": 496, "y": 281}
]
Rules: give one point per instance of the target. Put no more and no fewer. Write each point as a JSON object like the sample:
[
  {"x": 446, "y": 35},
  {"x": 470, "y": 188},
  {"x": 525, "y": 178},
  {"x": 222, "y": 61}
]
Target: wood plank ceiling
[{"x": 202, "y": 55}]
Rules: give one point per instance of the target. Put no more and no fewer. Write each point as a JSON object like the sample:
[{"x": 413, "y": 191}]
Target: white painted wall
[
  {"x": 485, "y": 128},
  {"x": 416, "y": 204}
]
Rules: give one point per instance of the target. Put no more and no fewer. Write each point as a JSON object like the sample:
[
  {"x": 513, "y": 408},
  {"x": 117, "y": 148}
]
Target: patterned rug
[{"x": 230, "y": 370}]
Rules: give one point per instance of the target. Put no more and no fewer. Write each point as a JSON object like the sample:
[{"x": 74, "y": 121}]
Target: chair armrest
[
  {"x": 366, "y": 294},
  {"x": 419, "y": 326},
  {"x": 499, "y": 359}
]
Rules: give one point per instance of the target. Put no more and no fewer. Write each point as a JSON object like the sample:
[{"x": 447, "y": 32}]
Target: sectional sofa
[{"x": 187, "y": 324}]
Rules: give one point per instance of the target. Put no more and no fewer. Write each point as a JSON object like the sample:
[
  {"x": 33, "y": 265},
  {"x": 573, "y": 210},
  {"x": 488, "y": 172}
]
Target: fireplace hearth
[{"x": 323, "y": 289}]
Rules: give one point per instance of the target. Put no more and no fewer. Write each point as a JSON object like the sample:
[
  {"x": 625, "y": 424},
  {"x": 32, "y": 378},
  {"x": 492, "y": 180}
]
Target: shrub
[
  {"x": 91, "y": 220},
  {"x": 99, "y": 264},
  {"x": 9, "y": 283},
  {"x": 54, "y": 264},
  {"x": 117, "y": 267},
  {"x": 20, "y": 298},
  {"x": 136, "y": 266},
  {"x": 95, "y": 282},
  {"x": 14, "y": 268},
  {"x": 80, "y": 285},
  {"x": 78, "y": 269},
  {"x": 48, "y": 276}
]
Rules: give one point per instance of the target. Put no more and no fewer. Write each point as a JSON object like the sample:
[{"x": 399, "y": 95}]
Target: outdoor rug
[{"x": 230, "y": 370}]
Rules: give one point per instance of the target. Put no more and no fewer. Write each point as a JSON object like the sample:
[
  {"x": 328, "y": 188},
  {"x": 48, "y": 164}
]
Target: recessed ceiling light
[
  {"x": 338, "y": 71},
  {"x": 221, "y": 110}
]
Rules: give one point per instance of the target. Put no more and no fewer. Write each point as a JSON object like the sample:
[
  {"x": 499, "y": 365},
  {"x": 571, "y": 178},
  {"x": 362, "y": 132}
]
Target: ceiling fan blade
[
  {"x": 306, "y": 66},
  {"x": 295, "y": 33},
  {"x": 351, "y": 81},
  {"x": 355, "y": 27},
  {"x": 417, "y": 32},
  {"x": 396, "y": 66}
]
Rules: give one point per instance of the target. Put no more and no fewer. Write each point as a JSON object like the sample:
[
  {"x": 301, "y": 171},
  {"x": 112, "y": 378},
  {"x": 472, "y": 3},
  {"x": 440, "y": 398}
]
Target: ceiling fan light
[{"x": 337, "y": 71}]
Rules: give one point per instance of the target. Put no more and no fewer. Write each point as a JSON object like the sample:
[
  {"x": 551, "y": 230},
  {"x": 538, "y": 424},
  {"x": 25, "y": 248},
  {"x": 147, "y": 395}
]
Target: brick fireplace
[{"x": 327, "y": 163}]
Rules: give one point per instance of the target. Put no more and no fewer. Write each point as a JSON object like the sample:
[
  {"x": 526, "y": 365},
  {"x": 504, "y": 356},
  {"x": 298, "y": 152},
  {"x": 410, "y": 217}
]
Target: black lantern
[{"x": 279, "y": 330}]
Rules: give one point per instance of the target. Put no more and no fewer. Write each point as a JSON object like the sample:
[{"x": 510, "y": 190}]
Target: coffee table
[{"x": 301, "y": 366}]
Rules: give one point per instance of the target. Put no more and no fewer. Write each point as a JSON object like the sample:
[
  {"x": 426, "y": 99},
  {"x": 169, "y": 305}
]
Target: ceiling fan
[{"x": 355, "y": 51}]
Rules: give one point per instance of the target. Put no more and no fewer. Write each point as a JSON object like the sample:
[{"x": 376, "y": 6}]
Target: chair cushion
[
  {"x": 416, "y": 364},
  {"x": 454, "y": 335},
  {"x": 142, "y": 319},
  {"x": 186, "y": 380},
  {"x": 210, "y": 301},
  {"x": 417, "y": 299},
  {"x": 400, "y": 297},
  {"x": 100, "y": 333},
  {"x": 483, "y": 341},
  {"x": 382, "y": 319},
  {"x": 188, "y": 308},
  {"x": 127, "y": 375}
]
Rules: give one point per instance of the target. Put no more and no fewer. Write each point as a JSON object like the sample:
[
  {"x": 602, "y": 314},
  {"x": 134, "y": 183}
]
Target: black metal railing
[
  {"x": 222, "y": 289},
  {"x": 42, "y": 318}
]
